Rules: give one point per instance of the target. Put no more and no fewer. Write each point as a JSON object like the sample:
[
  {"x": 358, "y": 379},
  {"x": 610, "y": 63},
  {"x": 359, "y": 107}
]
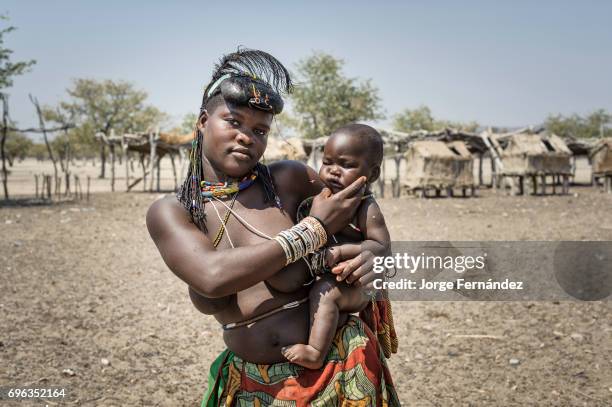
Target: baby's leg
[{"x": 327, "y": 298}]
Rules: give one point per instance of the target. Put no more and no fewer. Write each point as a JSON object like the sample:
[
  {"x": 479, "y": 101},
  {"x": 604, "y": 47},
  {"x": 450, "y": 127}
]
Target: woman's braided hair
[{"x": 243, "y": 70}]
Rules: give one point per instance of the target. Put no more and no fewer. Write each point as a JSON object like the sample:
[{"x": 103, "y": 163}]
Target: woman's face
[{"x": 235, "y": 138}]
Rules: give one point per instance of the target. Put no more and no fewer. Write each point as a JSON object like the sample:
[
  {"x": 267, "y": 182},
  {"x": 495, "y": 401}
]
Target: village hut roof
[
  {"x": 459, "y": 148},
  {"x": 432, "y": 149},
  {"x": 605, "y": 143},
  {"x": 580, "y": 146},
  {"x": 141, "y": 142},
  {"x": 432, "y": 163},
  {"x": 400, "y": 141},
  {"x": 280, "y": 148},
  {"x": 543, "y": 143},
  {"x": 173, "y": 139}
]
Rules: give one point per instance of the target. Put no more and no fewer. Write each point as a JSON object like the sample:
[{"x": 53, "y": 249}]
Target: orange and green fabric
[
  {"x": 355, "y": 374},
  {"x": 379, "y": 318}
]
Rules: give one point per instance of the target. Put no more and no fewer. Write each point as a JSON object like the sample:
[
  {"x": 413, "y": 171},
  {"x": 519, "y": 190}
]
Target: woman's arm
[
  {"x": 217, "y": 273},
  {"x": 192, "y": 257}
]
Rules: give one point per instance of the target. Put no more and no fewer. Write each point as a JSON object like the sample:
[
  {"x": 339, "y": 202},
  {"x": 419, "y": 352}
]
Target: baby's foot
[{"x": 303, "y": 355}]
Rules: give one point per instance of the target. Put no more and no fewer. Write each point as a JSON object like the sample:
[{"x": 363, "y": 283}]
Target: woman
[{"x": 232, "y": 239}]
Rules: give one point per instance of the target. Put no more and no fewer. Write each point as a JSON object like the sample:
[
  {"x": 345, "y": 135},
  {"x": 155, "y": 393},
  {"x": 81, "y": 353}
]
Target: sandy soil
[{"x": 84, "y": 288}]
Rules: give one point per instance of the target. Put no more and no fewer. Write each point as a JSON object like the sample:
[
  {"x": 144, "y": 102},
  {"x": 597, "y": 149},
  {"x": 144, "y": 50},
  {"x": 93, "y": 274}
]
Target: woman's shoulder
[
  {"x": 288, "y": 167},
  {"x": 167, "y": 204},
  {"x": 295, "y": 177},
  {"x": 164, "y": 211}
]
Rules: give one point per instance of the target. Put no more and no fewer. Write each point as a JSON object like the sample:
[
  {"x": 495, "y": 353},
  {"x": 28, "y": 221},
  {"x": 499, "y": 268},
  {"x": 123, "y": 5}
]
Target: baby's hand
[
  {"x": 358, "y": 270},
  {"x": 332, "y": 256}
]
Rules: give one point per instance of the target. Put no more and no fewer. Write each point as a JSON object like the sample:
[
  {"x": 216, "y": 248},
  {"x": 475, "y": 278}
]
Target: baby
[{"x": 351, "y": 152}]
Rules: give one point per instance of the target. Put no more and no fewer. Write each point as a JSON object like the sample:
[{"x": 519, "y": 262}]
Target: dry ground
[{"x": 82, "y": 282}]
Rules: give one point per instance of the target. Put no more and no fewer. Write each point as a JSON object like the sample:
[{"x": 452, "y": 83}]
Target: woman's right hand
[{"x": 337, "y": 210}]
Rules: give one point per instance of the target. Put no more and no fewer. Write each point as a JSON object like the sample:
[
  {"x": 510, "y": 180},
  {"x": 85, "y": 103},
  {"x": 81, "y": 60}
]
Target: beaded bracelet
[{"x": 304, "y": 238}]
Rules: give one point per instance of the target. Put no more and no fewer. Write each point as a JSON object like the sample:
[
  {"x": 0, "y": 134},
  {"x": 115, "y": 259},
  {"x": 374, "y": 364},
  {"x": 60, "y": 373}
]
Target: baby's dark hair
[{"x": 367, "y": 135}]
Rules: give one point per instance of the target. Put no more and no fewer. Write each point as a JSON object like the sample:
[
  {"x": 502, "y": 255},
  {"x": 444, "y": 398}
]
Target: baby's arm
[{"x": 377, "y": 242}]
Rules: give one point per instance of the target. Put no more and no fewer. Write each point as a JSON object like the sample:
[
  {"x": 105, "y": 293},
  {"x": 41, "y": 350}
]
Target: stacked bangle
[{"x": 304, "y": 238}]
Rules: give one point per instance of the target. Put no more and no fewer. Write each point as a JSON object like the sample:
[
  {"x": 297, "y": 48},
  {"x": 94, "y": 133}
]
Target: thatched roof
[
  {"x": 582, "y": 146},
  {"x": 432, "y": 163},
  {"x": 605, "y": 143},
  {"x": 400, "y": 141},
  {"x": 459, "y": 148},
  {"x": 431, "y": 149},
  {"x": 284, "y": 149},
  {"x": 542, "y": 143},
  {"x": 141, "y": 142},
  {"x": 176, "y": 139}
]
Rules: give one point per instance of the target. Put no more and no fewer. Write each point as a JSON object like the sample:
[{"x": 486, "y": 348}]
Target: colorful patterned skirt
[{"x": 355, "y": 374}]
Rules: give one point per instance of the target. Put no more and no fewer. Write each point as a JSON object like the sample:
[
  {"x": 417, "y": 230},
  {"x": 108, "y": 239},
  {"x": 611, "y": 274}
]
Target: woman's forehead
[{"x": 245, "y": 113}]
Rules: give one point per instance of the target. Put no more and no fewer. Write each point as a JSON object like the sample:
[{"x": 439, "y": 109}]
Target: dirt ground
[{"x": 87, "y": 304}]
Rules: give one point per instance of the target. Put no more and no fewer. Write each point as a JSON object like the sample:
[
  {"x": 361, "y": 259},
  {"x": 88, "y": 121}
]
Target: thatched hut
[
  {"x": 535, "y": 155},
  {"x": 464, "y": 164},
  {"x": 439, "y": 166},
  {"x": 280, "y": 148},
  {"x": 601, "y": 161},
  {"x": 153, "y": 146}
]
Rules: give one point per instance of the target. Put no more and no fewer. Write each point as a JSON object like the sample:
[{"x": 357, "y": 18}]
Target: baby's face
[{"x": 345, "y": 159}]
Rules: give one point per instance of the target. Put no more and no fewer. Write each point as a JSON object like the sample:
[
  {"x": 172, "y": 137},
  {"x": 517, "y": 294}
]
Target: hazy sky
[{"x": 508, "y": 63}]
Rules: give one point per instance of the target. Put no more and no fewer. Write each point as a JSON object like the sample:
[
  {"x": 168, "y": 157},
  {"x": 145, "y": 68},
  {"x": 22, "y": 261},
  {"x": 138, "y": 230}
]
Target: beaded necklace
[{"x": 223, "y": 189}]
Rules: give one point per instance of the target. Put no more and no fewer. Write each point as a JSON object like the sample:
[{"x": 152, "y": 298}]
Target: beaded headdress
[{"x": 249, "y": 78}]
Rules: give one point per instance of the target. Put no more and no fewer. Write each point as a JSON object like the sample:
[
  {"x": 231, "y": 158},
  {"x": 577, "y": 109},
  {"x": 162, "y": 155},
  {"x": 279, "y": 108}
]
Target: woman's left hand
[{"x": 358, "y": 270}]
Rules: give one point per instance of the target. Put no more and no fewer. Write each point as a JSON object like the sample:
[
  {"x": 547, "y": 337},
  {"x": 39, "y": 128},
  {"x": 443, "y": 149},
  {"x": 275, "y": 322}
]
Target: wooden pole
[
  {"x": 124, "y": 149},
  {"x": 158, "y": 172},
  {"x": 88, "y": 181},
  {"x": 480, "y": 181},
  {"x": 174, "y": 171},
  {"x": 513, "y": 189},
  {"x": 381, "y": 179},
  {"x": 112, "y": 157},
  {"x": 396, "y": 183},
  {"x": 78, "y": 192},
  {"x": 36, "y": 181},
  {"x": 152, "y": 159},
  {"x": 42, "y": 186},
  {"x": 49, "y": 187},
  {"x": 67, "y": 192},
  {"x": 543, "y": 180},
  {"x": 46, "y": 139},
  {"x": 5, "y": 121},
  {"x": 144, "y": 173}
]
